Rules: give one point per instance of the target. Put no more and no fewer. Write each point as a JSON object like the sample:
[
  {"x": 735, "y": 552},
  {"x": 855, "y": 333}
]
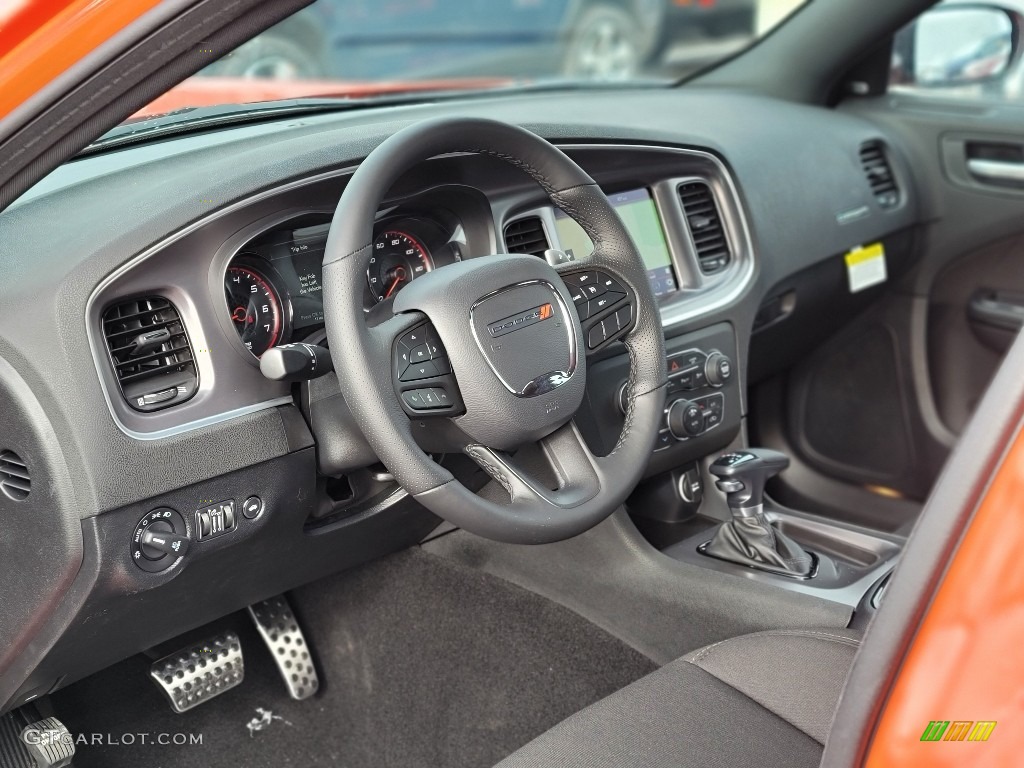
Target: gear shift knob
[{"x": 742, "y": 476}]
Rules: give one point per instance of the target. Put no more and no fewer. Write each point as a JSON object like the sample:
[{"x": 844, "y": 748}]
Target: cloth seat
[{"x": 764, "y": 699}]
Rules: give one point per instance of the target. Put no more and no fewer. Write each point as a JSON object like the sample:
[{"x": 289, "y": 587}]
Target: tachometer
[
  {"x": 256, "y": 309},
  {"x": 397, "y": 259}
]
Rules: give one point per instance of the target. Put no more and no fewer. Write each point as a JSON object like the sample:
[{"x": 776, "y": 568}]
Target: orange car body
[{"x": 965, "y": 660}]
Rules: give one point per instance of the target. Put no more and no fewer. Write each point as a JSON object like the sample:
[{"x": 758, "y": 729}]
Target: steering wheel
[{"x": 489, "y": 355}]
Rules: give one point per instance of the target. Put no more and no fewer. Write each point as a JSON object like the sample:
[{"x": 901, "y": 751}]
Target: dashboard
[{"x": 213, "y": 243}]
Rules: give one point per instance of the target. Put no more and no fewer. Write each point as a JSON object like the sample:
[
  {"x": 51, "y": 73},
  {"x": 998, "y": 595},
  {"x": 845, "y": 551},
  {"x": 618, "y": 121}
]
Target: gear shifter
[{"x": 749, "y": 538}]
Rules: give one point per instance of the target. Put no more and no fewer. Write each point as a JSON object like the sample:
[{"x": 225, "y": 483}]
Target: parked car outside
[{"x": 588, "y": 39}]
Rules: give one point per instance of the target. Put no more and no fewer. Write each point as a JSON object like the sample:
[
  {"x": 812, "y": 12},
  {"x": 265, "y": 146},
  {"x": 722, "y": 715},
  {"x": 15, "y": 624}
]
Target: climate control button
[{"x": 685, "y": 419}]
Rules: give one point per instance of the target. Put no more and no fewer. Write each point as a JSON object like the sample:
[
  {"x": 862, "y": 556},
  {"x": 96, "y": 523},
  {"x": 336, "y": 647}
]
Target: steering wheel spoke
[{"x": 569, "y": 465}]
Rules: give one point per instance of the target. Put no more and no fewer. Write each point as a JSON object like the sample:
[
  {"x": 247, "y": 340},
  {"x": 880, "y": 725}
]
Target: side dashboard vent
[
  {"x": 705, "y": 222},
  {"x": 879, "y": 173},
  {"x": 150, "y": 353},
  {"x": 14, "y": 477},
  {"x": 526, "y": 236}
]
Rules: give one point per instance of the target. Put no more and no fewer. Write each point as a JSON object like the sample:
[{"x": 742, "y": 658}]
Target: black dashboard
[{"x": 213, "y": 242}]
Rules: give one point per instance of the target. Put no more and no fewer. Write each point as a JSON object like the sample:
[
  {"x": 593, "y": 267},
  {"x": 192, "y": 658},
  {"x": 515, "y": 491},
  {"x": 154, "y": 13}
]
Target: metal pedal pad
[
  {"x": 200, "y": 672},
  {"x": 281, "y": 632}
]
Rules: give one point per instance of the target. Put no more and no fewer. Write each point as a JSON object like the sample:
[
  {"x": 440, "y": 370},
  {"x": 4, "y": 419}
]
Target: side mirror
[{"x": 955, "y": 45}]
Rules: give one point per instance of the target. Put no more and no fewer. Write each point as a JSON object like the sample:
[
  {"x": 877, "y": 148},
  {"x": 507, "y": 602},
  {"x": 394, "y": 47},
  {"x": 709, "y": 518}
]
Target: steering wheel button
[
  {"x": 578, "y": 296},
  {"x": 610, "y": 283},
  {"x": 580, "y": 278},
  {"x": 596, "y": 335},
  {"x": 442, "y": 397},
  {"x": 414, "y": 398},
  {"x": 418, "y": 371},
  {"x": 624, "y": 317},
  {"x": 420, "y": 354}
]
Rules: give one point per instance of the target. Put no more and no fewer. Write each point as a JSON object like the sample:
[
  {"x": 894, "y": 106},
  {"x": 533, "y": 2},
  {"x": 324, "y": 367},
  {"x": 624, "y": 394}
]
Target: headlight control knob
[{"x": 160, "y": 540}]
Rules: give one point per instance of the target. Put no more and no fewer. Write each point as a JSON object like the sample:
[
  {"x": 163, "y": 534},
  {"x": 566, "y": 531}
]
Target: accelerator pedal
[
  {"x": 199, "y": 672},
  {"x": 280, "y": 630}
]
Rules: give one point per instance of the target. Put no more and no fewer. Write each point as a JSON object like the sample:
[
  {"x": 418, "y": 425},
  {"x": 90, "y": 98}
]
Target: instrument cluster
[{"x": 274, "y": 285}]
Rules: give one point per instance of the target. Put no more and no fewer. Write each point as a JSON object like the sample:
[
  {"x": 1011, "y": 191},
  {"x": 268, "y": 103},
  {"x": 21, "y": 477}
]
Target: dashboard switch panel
[{"x": 215, "y": 520}]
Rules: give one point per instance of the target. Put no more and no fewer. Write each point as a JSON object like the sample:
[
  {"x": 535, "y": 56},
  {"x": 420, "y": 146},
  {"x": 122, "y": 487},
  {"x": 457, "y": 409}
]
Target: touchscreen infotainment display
[{"x": 640, "y": 215}]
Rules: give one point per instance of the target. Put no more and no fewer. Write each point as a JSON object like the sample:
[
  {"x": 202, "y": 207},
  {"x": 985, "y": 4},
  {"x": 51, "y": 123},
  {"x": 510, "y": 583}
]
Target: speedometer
[
  {"x": 396, "y": 260},
  {"x": 256, "y": 310}
]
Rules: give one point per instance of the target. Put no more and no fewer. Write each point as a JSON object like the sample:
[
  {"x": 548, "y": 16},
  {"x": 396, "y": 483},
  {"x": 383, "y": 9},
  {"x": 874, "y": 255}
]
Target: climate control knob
[
  {"x": 685, "y": 419},
  {"x": 717, "y": 369}
]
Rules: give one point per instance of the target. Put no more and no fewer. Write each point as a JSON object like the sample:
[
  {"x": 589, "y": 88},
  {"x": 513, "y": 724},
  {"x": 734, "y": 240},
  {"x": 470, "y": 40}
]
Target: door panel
[{"x": 976, "y": 308}]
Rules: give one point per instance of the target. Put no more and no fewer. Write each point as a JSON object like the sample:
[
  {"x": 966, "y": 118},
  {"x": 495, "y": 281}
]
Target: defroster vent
[
  {"x": 705, "y": 222},
  {"x": 150, "y": 352},
  {"x": 526, "y": 236}
]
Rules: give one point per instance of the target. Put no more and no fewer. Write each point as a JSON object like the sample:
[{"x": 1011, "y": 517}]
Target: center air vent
[
  {"x": 526, "y": 236},
  {"x": 150, "y": 353},
  {"x": 14, "y": 477},
  {"x": 705, "y": 222},
  {"x": 879, "y": 172}
]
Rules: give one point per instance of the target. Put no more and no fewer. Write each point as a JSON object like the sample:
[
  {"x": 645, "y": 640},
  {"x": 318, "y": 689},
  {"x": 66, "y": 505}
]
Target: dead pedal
[
  {"x": 281, "y": 632},
  {"x": 199, "y": 672}
]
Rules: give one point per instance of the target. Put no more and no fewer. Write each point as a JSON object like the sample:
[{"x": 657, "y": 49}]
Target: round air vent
[{"x": 14, "y": 477}]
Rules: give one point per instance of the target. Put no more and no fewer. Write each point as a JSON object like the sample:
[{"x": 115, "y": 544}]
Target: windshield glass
[{"x": 361, "y": 48}]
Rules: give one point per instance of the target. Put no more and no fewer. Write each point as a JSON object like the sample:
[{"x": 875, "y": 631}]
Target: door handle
[
  {"x": 998, "y": 171},
  {"x": 995, "y": 308}
]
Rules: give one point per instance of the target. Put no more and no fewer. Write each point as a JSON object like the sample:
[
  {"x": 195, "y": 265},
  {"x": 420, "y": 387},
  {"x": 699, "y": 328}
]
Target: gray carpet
[{"x": 423, "y": 663}]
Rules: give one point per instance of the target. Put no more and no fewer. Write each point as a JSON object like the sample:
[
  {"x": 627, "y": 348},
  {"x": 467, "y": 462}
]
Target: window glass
[{"x": 363, "y": 48}]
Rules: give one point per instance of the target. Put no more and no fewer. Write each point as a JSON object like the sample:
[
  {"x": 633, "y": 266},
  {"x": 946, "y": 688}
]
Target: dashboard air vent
[
  {"x": 14, "y": 477},
  {"x": 526, "y": 236},
  {"x": 705, "y": 222},
  {"x": 150, "y": 353},
  {"x": 879, "y": 172}
]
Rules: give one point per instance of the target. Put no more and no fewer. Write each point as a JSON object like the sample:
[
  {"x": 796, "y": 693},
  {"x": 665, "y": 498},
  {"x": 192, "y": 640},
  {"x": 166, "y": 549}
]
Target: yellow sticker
[{"x": 865, "y": 266}]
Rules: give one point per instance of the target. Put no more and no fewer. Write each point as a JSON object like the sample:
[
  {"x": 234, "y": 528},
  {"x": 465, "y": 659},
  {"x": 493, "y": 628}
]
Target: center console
[
  {"x": 703, "y": 408},
  {"x": 704, "y": 502}
]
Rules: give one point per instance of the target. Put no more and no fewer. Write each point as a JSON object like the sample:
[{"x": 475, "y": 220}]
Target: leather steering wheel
[{"x": 488, "y": 355}]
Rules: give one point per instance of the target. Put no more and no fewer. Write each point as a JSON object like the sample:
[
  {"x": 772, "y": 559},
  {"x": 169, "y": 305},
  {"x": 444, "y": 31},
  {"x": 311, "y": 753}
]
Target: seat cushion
[{"x": 764, "y": 699}]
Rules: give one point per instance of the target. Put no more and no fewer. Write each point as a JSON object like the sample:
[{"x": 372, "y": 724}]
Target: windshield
[{"x": 361, "y": 48}]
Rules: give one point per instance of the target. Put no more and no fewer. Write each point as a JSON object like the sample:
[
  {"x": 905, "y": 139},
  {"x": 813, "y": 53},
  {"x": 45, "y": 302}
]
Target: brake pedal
[
  {"x": 49, "y": 742},
  {"x": 281, "y": 632},
  {"x": 199, "y": 672},
  {"x": 45, "y": 743}
]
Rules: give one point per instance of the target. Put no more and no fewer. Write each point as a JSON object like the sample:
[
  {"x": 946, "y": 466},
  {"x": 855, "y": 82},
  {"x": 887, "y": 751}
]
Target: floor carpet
[{"x": 422, "y": 663}]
